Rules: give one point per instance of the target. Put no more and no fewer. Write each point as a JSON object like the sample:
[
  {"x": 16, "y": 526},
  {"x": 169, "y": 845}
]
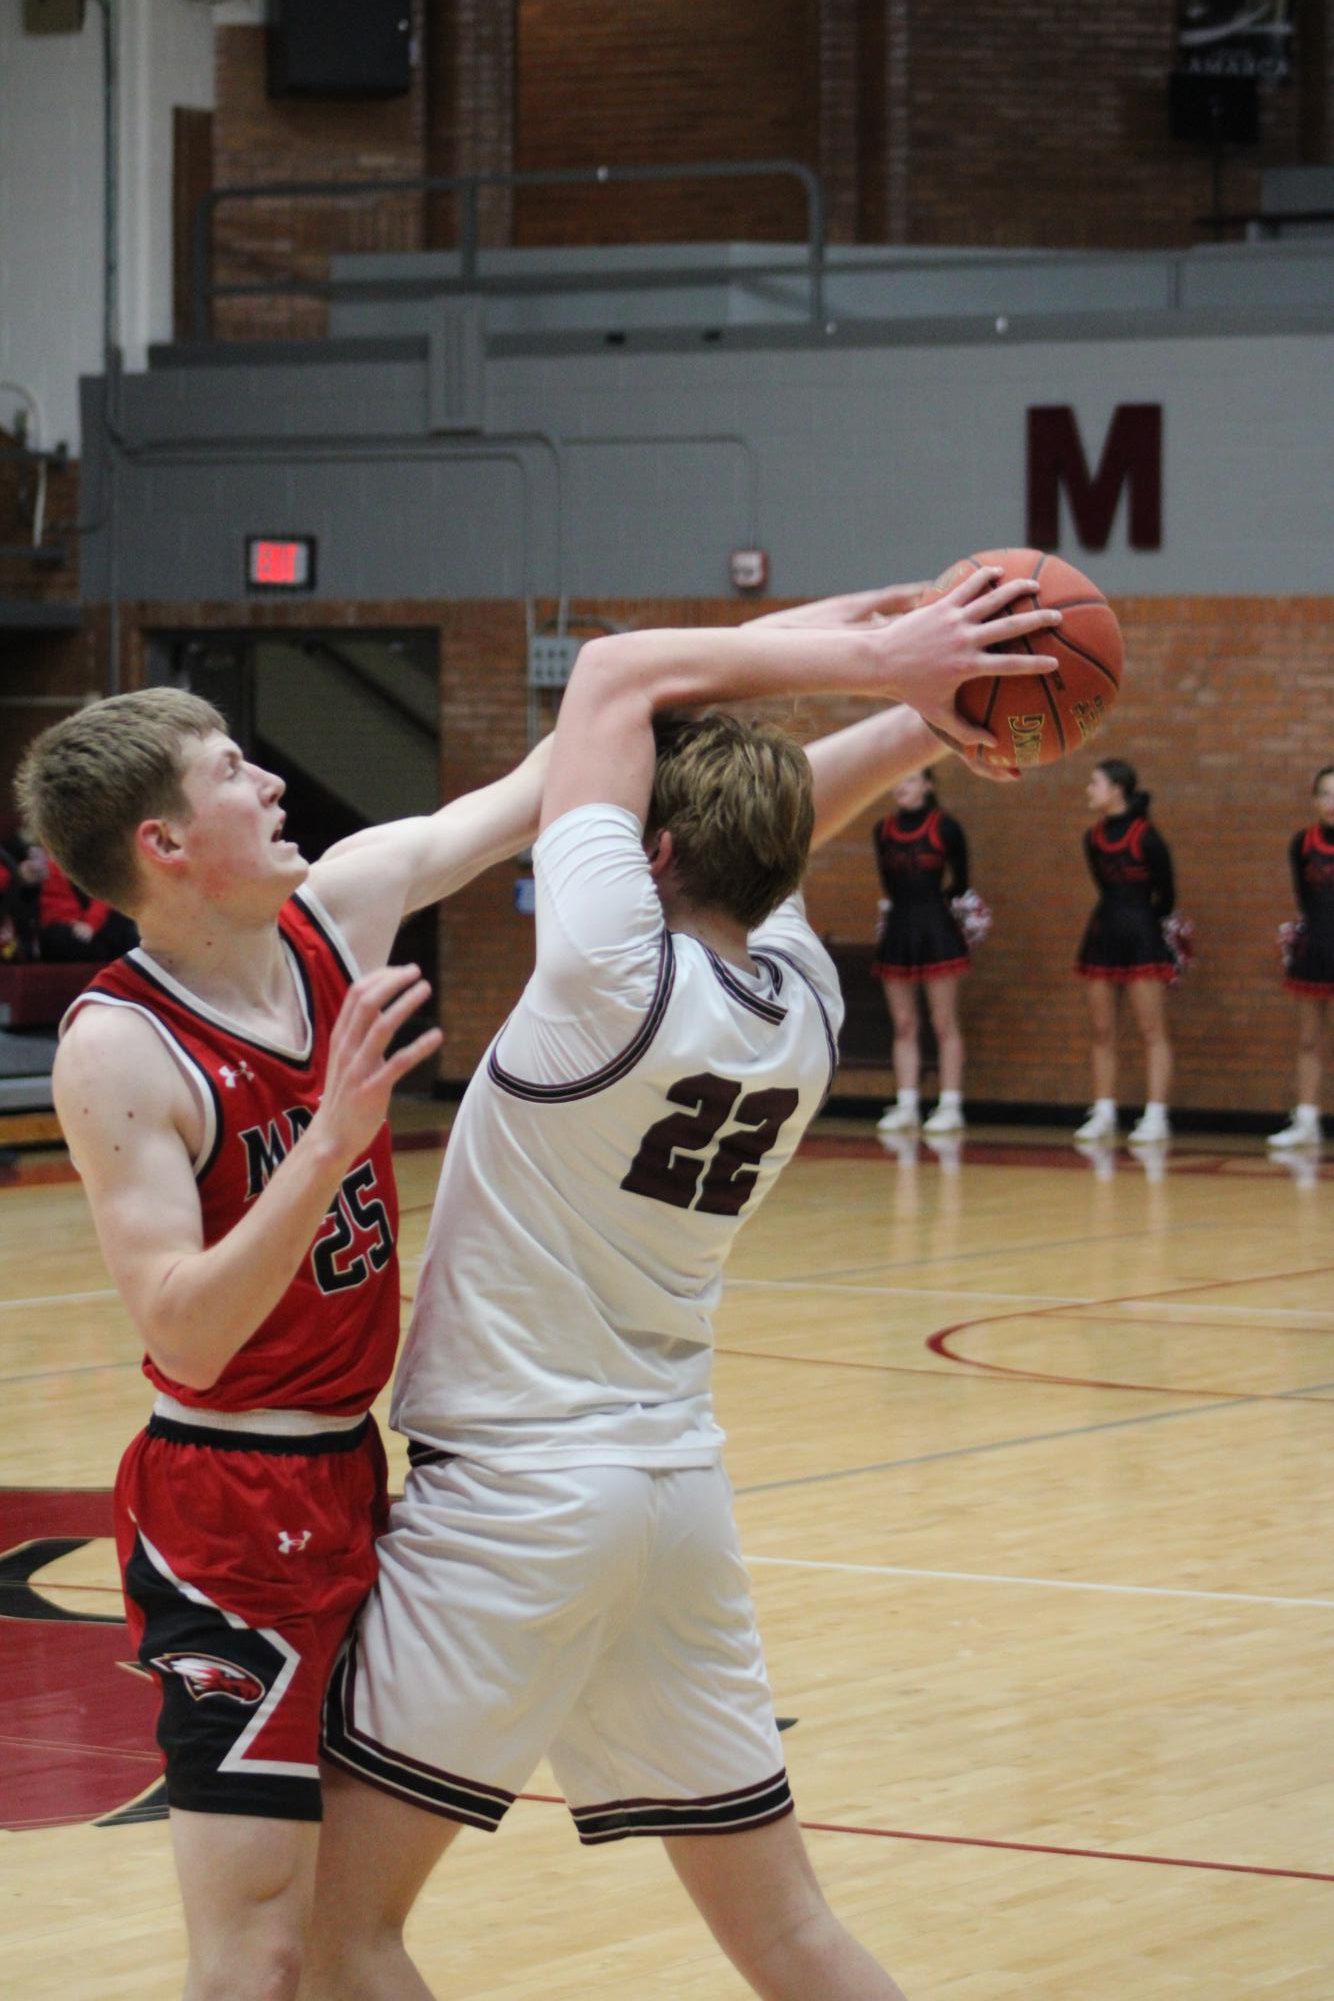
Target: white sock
[
  {"x": 908, "y": 1099},
  {"x": 951, "y": 1101},
  {"x": 1155, "y": 1108},
  {"x": 1307, "y": 1115},
  {"x": 1107, "y": 1105}
]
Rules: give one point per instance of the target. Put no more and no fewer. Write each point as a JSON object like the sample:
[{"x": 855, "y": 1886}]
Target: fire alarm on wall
[{"x": 750, "y": 569}]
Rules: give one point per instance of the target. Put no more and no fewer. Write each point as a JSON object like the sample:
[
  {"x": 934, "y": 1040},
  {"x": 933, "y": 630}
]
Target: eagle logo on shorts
[{"x": 205, "y": 1675}]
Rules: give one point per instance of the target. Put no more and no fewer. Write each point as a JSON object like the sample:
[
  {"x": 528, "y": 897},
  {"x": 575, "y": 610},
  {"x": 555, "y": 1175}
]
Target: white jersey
[{"x": 634, "y": 1110}]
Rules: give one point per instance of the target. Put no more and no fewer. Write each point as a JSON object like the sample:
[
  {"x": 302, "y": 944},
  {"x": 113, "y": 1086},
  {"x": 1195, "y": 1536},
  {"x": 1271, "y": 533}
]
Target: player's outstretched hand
[
  {"x": 852, "y": 608},
  {"x": 931, "y": 652},
  {"x": 361, "y": 1075}
]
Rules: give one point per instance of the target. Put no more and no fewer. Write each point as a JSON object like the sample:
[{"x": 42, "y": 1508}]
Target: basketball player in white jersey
[{"x": 563, "y": 1575}]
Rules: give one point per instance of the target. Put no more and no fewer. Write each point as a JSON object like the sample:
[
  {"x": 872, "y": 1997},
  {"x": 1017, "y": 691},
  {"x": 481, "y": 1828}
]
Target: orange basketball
[{"x": 1039, "y": 717}]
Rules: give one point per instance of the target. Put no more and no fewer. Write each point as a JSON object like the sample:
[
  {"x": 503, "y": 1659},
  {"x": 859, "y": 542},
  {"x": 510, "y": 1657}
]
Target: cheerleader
[
  {"x": 1124, "y": 946},
  {"x": 923, "y": 861},
  {"x": 1310, "y": 963}
]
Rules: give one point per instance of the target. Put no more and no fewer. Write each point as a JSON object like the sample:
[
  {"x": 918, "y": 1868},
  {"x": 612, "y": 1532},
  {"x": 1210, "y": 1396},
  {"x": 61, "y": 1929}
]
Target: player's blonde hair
[
  {"x": 85, "y": 785},
  {"x": 736, "y": 798}
]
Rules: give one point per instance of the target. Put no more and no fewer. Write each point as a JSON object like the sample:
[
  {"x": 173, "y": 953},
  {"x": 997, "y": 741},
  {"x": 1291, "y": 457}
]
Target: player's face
[
  {"x": 1102, "y": 795},
  {"x": 1324, "y": 800},
  {"x": 234, "y": 837},
  {"x": 910, "y": 793}
]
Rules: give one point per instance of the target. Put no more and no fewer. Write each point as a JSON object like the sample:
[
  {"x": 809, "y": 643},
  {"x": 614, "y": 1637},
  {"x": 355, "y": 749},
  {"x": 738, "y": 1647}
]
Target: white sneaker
[
  {"x": 1301, "y": 1132},
  {"x": 898, "y": 1119},
  {"x": 1098, "y": 1125},
  {"x": 1151, "y": 1130},
  {"x": 945, "y": 1119}
]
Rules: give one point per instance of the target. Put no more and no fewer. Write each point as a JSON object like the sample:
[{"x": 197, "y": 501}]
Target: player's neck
[
  {"x": 235, "y": 964},
  {"x": 714, "y": 929}
]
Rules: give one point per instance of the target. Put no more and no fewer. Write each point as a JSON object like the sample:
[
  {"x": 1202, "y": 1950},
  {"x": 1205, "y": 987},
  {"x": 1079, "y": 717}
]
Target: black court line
[
  {"x": 1083, "y": 1241},
  {"x": 1031, "y": 1438}
]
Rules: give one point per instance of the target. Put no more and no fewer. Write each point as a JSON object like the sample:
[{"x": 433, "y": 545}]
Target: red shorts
[{"x": 245, "y": 1556}]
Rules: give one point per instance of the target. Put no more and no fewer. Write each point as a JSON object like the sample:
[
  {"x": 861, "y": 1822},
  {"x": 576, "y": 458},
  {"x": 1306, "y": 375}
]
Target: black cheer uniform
[
  {"x": 1129, "y": 861},
  {"x": 1312, "y": 857},
  {"x": 920, "y": 939}
]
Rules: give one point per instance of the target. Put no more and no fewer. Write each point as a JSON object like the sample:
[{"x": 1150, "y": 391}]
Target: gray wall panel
[
  {"x": 386, "y": 527},
  {"x": 848, "y": 463}
]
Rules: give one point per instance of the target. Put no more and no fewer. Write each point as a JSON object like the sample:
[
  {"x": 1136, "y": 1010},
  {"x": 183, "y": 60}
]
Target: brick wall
[
  {"x": 661, "y": 83},
  {"x": 259, "y": 138},
  {"x": 992, "y": 126},
  {"x": 1225, "y": 712},
  {"x": 470, "y": 72},
  {"x": 1047, "y": 125}
]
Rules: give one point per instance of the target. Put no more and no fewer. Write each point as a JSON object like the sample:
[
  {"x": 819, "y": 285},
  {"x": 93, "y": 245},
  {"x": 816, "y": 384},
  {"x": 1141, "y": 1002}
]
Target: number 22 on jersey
[{"x": 683, "y": 1161}]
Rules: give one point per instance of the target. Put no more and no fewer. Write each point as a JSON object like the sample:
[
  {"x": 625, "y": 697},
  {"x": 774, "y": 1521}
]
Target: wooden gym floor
[{"x": 1033, "y": 1463}]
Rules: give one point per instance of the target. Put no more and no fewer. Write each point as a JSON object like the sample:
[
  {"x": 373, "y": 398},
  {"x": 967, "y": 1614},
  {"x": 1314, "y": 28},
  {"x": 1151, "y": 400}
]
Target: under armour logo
[
  {"x": 231, "y": 1078},
  {"x": 292, "y": 1545}
]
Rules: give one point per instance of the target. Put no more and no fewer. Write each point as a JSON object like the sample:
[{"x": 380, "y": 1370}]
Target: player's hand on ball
[{"x": 931, "y": 652}]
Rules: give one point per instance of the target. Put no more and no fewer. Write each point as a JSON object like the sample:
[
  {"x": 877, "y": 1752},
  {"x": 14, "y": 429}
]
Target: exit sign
[{"x": 280, "y": 562}]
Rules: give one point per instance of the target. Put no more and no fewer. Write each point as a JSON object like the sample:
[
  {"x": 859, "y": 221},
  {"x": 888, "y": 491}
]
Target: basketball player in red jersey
[
  {"x": 261, "y": 1274},
  {"x": 562, "y": 1576}
]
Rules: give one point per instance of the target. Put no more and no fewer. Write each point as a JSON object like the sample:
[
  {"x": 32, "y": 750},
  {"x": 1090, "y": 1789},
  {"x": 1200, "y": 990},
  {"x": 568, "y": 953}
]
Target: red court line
[
  {"x": 938, "y": 1343},
  {"x": 1029, "y": 1847},
  {"x": 1084, "y": 1854},
  {"x": 422, "y": 1140},
  {"x": 29, "y": 1173}
]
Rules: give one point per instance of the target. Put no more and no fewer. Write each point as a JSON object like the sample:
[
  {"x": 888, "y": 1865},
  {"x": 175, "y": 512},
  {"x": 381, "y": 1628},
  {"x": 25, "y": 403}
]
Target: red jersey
[{"x": 329, "y": 1344}]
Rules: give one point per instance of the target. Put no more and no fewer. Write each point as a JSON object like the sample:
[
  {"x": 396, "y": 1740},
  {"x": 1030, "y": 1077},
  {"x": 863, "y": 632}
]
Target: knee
[
  {"x": 263, "y": 1970},
  {"x": 348, "y": 1964}
]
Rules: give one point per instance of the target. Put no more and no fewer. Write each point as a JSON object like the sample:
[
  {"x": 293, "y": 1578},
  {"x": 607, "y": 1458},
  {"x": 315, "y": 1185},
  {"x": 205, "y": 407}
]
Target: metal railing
[{"x": 466, "y": 189}]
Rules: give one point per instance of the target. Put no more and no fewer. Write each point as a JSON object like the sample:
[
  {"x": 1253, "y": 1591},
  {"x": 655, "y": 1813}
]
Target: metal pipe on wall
[{"x": 111, "y": 360}]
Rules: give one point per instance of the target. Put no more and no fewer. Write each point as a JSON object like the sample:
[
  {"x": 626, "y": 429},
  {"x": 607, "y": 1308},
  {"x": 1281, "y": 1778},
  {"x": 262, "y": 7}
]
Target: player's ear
[
  {"x": 157, "y": 843},
  {"x": 659, "y": 850}
]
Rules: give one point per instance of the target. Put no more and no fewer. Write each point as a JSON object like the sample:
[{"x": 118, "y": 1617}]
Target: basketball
[{"x": 1039, "y": 718}]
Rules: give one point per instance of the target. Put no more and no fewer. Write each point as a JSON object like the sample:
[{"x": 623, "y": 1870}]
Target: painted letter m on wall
[{"x": 1132, "y": 459}]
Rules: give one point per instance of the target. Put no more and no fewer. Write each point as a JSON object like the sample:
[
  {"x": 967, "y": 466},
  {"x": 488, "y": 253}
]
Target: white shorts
[{"x": 600, "y": 1616}]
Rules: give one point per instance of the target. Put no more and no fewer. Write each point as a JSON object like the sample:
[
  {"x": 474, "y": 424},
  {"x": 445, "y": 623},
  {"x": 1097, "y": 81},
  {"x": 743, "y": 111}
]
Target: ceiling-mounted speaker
[
  {"x": 53, "y": 17},
  {"x": 340, "y": 48}
]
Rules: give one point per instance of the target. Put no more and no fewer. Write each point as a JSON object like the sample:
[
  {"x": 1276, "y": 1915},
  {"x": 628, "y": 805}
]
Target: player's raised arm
[
  {"x": 852, "y": 767},
  {"x": 133, "y": 1128},
  {"x": 604, "y": 746},
  {"x": 374, "y": 879}
]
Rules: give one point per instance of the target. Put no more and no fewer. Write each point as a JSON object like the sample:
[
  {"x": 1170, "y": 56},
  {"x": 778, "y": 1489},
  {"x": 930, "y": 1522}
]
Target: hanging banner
[{"x": 1234, "y": 38}]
